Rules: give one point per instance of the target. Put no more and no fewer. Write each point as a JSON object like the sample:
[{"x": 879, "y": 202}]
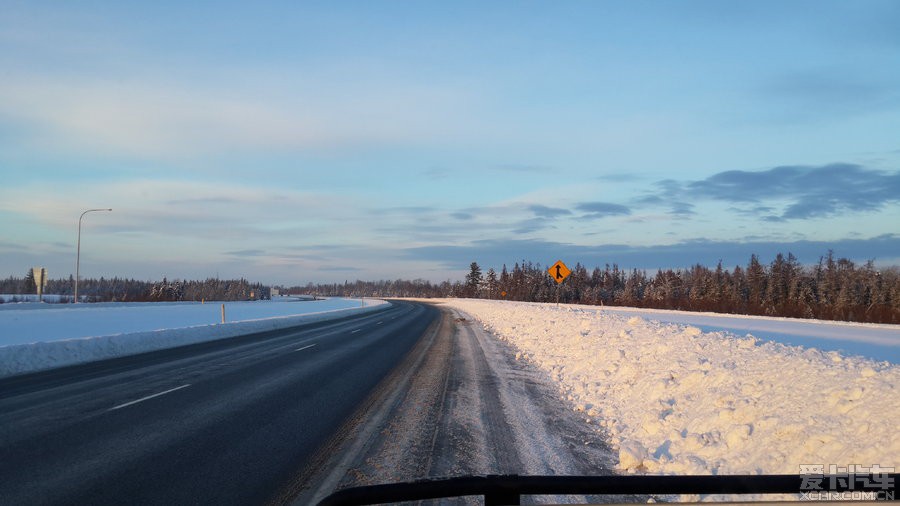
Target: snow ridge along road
[
  {"x": 35, "y": 337},
  {"x": 672, "y": 399}
]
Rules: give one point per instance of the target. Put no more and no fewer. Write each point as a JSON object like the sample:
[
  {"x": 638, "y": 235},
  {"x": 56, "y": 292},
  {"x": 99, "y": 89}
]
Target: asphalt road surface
[{"x": 235, "y": 421}]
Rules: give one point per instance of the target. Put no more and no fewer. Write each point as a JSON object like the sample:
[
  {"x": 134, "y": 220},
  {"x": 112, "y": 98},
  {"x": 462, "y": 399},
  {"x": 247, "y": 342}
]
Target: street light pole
[{"x": 78, "y": 250}]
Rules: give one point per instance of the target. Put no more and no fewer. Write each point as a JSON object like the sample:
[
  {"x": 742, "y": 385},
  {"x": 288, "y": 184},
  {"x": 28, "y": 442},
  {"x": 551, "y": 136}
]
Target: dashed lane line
[{"x": 142, "y": 399}]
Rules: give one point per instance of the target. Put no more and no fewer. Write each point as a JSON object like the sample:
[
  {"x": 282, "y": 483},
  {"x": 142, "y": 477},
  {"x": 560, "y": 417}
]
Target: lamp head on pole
[{"x": 78, "y": 250}]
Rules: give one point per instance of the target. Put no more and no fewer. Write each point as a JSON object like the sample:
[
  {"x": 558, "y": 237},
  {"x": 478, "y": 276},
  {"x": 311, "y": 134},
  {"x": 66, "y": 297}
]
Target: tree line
[
  {"x": 417, "y": 288},
  {"x": 832, "y": 289},
  {"x": 131, "y": 290}
]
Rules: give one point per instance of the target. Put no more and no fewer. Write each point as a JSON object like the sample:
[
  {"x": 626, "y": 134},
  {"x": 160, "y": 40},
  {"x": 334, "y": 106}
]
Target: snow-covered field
[
  {"x": 17, "y": 298},
  {"x": 35, "y": 336},
  {"x": 673, "y": 398},
  {"x": 878, "y": 342}
]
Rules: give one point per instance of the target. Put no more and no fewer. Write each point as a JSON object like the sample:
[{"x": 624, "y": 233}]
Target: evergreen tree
[
  {"x": 491, "y": 284},
  {"x": 473, "y": 280},
  {"x": 504, "y": 282},
  {"x": 756, "y": 284},
  {"x": 29, "y": 286}
]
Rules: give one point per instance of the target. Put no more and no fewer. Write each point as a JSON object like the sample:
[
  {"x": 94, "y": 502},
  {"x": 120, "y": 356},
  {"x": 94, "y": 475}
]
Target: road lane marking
[
  {"x": 142, "y": 399},
  {"x": 306, "y": 347},
  {"x": 379, "y": 323},
  {"x": 355, "y": 331}
]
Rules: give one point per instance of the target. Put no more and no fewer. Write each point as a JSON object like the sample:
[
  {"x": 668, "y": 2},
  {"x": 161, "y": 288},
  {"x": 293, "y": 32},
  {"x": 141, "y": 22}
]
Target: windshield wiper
[{"x": 500, "y": 490}]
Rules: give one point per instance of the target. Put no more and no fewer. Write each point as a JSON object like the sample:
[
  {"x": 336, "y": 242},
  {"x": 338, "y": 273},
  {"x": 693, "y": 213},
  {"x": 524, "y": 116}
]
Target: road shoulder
[{"x": 460, "y": 404}]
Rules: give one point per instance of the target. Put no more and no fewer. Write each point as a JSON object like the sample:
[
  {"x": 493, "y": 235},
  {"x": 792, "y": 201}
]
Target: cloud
[
  {"x": 437, "y": 173},
  {"x": 531, "y": 226},
  {"x": 677, "y": 208},
  {"x": 338, "y": 268},
  {"x": 682, "y": 209},
  {"x": 548, "y": 212},
  {"x": 6, "y": 245},
  {"x": 408, "y": 210},
  {"x": 596, "y": 210},
  {"x": 464, "y": 224},
  {"x": 189, "y": 210},
  {"x": 248, "y": 253},
  {"x": 619, "y": 178},
  {"x": 826, "y": 93},
  {"x": 494, "y": 253},
  {"x": 436, "y": 225},
  {"x": 752, "y": 212},
  {"x": 158, "y": 117},
  {"x": 205, "y": 200},
  {"x": 524, "y": 168},
  {"x": 804, "y": 192}
]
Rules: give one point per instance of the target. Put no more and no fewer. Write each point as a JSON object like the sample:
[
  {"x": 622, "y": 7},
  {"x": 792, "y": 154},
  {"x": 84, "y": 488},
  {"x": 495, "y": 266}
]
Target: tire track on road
[{"x": 464, "y": 405}]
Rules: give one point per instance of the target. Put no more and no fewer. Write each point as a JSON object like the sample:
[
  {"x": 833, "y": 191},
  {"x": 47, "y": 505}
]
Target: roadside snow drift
[
  {"x": 35, "y": 337},
  {"x": 672, "y": 399}
]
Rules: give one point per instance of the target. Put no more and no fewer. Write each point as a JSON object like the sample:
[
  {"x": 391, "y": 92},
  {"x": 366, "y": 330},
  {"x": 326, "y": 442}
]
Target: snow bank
[
  {"x": 23, "y": 323},
  {"x": 47, "y": 336},
  {"x": 19, "y": 298},
  {"x": 878, "y": 341},
  {"x": 672, "y": 399}
]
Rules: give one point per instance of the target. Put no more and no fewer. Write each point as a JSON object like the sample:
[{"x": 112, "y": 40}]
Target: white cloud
[
  {"x": 160, "y": 119},
  {"x": 174, "y": 207},
  {"x": 141, "y": 120}
]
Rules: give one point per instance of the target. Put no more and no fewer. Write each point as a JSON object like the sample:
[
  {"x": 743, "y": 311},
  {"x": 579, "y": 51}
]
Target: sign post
[
  {"x": 559, "y": 272},
  {"x": 40, "y": 280}
]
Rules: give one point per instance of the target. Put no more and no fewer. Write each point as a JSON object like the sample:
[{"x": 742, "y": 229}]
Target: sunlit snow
[
  {"x": 678, "y": 399},
  {"x": 875, "y": 341}
]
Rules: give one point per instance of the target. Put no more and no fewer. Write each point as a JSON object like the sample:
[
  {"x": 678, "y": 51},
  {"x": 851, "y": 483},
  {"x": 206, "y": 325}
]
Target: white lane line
[
  {"x": 306, "y": 347},
  {"x": 355, "y": 331},
  {"x": 379, "y": 323},
  {"x": 142, "y": 399}
]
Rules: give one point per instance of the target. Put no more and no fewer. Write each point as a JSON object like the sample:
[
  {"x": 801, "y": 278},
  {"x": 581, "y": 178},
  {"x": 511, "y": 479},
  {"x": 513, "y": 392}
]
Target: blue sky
[{"x": 289, "y": 142}]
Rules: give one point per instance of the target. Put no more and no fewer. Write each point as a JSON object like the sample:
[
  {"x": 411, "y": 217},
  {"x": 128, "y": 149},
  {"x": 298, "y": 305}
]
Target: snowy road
[
  {"x": 227, "y": 422},
  {"x": 465, "y": 406}
]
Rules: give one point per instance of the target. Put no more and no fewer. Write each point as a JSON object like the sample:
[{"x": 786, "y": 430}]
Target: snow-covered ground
[
  {"x": 17, "y": 298},
  {"x": 36, "y": 336},
  {"x": 878, "y": 342},
  {"x": 673, "y": 398}
]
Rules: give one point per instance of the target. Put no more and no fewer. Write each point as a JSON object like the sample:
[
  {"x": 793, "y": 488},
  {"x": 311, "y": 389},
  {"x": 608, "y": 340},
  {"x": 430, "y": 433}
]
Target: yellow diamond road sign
[{"x": 559, "y": 272}]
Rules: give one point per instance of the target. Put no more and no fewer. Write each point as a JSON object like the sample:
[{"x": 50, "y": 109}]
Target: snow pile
[
  {"x": 672, "y": 399},
  {"x": 35, "y": 337},
  {"x": 878, "y": 341}
]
